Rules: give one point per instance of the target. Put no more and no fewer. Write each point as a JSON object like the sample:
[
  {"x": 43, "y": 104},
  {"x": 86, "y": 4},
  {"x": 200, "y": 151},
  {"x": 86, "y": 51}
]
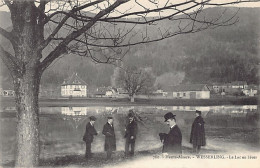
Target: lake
[{"x": 229, "y": 129}]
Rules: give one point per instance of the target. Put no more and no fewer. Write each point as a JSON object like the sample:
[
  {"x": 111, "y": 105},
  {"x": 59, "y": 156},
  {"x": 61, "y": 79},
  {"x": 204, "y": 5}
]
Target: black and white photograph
[{"x": 129, "y": 83}]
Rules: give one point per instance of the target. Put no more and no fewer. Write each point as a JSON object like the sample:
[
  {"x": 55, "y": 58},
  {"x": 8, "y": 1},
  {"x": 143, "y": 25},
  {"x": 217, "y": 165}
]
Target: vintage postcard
[{"x": 129, "y": 83}]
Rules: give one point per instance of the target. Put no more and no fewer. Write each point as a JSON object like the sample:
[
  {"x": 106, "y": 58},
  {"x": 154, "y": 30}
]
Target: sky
[{"x": 135, "y": 5}]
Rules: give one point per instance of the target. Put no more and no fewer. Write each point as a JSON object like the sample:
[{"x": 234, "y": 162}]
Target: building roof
[
  {"x": 74, "y": 80},
  {"x": 188, "y": 87},
  {"x": 103, "y": 90},
  {"x": 238, "y": 83},
  {"x": 253, "y": 87},
  {"x": 122, "y": 91}
]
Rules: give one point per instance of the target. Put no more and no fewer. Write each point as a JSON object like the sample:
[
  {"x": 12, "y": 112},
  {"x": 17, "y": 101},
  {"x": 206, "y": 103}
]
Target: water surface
[{"x": 229, "y": 129}]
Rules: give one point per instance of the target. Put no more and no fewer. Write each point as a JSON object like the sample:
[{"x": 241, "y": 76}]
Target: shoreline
[{"x": 81, "y": 102}]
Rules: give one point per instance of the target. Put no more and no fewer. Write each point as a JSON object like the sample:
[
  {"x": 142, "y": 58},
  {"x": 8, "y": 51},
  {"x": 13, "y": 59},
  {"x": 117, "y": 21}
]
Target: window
[
  {"x": 178, "y": 94},
  {"x": 184, "y": 94}
]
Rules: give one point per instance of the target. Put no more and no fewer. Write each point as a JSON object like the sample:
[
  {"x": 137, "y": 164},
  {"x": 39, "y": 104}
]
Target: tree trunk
[
  {"x": 132, "y": 98},
  {"x": 27, "y": 136}
]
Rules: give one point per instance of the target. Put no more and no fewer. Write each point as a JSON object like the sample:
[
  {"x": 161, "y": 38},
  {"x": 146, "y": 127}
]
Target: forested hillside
[{"x": 223, "y": 54}]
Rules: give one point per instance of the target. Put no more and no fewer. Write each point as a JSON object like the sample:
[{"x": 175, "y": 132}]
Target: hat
[
  {"x": 131, "y": 114},
  {"x": 131, "y": 111},
  {"x": 92, "y": 118},
  {"x": 109, "y": 117},
  {"x": 197, "y": 111},
  {"x": 169, "y": 116}
]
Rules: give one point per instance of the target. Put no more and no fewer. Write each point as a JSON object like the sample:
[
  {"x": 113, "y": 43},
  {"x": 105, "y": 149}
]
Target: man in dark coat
[
  {"x": 110, "y": 138},
  {"x": 130, "y": 134},
  {"x": 197, "y": 136},
  {"x": 171, "y": 141},
  {"x": 89, "y": 136}
]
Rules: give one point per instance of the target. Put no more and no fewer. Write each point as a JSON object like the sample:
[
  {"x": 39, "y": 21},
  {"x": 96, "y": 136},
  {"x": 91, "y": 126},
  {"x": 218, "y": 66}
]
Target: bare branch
[
  {"x": 75, "y": 9},
  {"x": 43, "y": 4},
  {"x": 230, "y": 3},
  {"x": 135, "y": 21},
  {"x": 10, "y": 61},
  {"x": 68, "y": 15},
  {"x": 61, "y": 48},
  {"x": 8, "y": 3},
  {"x": 7, "y": 35},
  {"x": 153, "y": 10},
  {"x": 109, "y": 37}
]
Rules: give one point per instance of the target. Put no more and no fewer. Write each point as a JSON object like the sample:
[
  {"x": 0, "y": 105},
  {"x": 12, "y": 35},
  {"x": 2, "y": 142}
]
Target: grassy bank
[
  {"x": 46, "y": 102},
  {"x": 99, "y": 159}
]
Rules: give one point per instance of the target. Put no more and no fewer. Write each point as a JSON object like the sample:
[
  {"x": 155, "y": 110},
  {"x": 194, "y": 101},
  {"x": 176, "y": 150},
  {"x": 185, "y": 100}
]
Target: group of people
[
  {"x": 172, "y": 141},
  {"x": 110, "y": 138}
]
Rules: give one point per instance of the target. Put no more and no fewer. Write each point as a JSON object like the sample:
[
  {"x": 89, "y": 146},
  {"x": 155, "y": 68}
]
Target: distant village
[{"x": 75, "y": 87}]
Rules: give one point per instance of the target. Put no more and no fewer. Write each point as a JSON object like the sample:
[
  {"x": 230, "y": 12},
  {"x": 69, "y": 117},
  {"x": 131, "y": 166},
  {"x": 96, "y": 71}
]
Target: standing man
[
  {"x": 110, "y": 138},
  {"x": 130, "y": 134},
  {"x": 89, "y": 136},
  {"x": 197, "y": 136},
  {"x": 171, "y": 141}
]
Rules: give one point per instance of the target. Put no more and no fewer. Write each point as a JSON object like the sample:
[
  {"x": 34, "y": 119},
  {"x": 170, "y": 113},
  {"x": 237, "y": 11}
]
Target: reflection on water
[
  {"x": 62, "y": 128},
  {"x": 74, "y": 111},
  {"x": 83, "y": 111},
  {"x": 218, "y": 116}
]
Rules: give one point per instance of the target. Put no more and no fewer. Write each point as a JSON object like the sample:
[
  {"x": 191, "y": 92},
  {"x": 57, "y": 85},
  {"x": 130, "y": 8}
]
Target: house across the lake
[
  {"x": 251, "y": 90},
  {"x": 232, "y": 87},
  {"x": 189, "y": 91},
  {"x": 122, "y": 93},
  {"x": 239, "y": 85},
  {"x": 159, "y": 93},
  {"x": 74, "y": 87},
  {"x": 106, "y": 92},
  {"x": 7, "y": 92}
]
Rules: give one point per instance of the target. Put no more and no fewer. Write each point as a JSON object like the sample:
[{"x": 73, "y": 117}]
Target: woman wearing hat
[{"x": 197, "y": 136}]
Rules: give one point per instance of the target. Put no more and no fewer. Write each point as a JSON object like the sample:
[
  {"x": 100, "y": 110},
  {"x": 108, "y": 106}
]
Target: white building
[
  {"x": 239, "y": 85},
  {"x": 250, "y": 91},
  {"x": 74, "y": 87},
  {"x": 192, "y": 91},
  {"x": 74, "y": 111},
  {"x": 7, "y": 92},
  {"x": 106, "y": 92}
]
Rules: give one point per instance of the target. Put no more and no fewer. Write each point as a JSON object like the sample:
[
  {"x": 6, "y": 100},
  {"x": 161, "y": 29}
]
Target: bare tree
[
  {"x": 44, "y": 30},
  {"x": 136, "y": 80}
]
